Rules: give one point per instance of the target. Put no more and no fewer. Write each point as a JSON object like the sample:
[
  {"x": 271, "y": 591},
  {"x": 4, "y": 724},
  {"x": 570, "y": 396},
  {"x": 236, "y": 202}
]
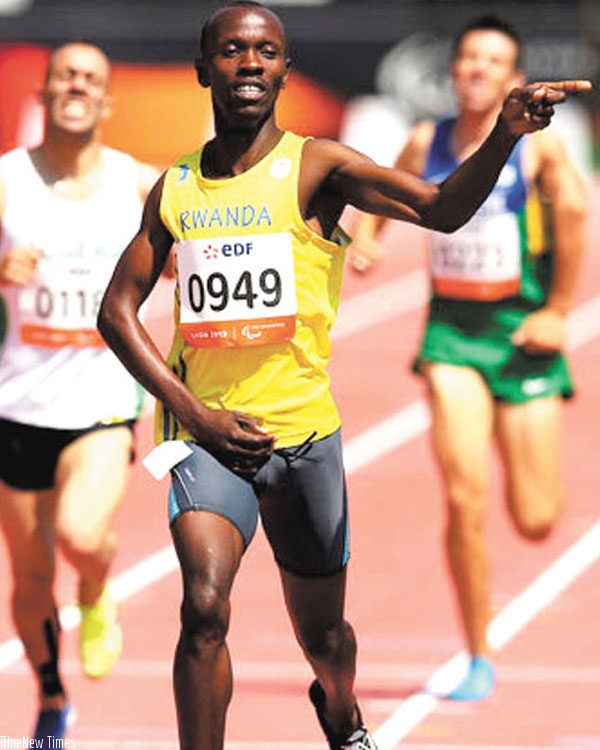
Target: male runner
[
  {"x": 67, "y": 405},
  {"x": 244, "y": 394},
  {"x": 491, "y": 353}
]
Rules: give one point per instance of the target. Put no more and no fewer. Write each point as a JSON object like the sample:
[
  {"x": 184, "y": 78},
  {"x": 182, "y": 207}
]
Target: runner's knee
[
  {"x": 466, "y": 506},
  {"x": 84, "y": 541},
  {"x": 535, "y": 520},
  {"x": 535, "y": 531},
  {"x": 205, "y": 613}
]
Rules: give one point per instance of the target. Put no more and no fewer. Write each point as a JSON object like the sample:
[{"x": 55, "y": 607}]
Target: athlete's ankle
[
  {"x": 58, "y": 701},
  {"x": 90, "y": 592}
]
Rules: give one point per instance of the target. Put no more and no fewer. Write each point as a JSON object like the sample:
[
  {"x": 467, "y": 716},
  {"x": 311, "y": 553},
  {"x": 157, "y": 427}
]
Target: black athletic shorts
[
  {"x": 300, "y": 495},
  {"x": 29, "y": 455}
]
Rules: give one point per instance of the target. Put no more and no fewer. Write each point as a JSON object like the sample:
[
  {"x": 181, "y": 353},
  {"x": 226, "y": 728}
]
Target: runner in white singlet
[{"x": 67, "y": 406}]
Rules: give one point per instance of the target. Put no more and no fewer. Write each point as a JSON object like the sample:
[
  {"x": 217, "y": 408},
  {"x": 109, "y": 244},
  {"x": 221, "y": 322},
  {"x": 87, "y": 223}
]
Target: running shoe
[
  {"x": 51, "y": 726},
  {"x": 100, "y": 636},
  {"x": 477, "y": 684},
  {"x": 360, "y": 739}
]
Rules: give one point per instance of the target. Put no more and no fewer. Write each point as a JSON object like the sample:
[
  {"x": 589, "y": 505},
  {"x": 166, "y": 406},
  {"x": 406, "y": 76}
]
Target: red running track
[{"x": 399, "y": 601}]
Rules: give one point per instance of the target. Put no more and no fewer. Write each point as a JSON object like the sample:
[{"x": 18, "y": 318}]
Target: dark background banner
[{"x": 338, "y": 43}]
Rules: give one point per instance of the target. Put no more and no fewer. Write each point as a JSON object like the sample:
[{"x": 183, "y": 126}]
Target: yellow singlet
[{"x": 257, "y": 295}]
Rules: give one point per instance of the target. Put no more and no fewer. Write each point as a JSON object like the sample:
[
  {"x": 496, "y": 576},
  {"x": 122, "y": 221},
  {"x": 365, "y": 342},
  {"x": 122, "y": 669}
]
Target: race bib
[
  {"x": 59, "y": 308},
  {"x": 480, "y": 261},
  {"x": 237, "y": 291}
]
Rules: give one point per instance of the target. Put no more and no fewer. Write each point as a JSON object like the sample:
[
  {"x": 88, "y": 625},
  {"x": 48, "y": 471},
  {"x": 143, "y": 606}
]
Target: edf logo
[
  {"x": 236, "y": 249},
  {"x": 210, "y": 252},
  {"x": 228, "y": 250}
]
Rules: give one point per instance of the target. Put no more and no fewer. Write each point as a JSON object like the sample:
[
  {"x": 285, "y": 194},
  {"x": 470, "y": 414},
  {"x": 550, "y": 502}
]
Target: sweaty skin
[{"x": 244, "y": 61}]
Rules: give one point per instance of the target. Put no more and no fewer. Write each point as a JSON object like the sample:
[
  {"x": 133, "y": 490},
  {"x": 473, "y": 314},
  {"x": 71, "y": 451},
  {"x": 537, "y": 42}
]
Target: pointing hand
[{"x": 531, "y": 107}]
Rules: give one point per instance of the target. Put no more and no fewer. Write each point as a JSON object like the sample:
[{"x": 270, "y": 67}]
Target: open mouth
[
  {"x": 74, "y": 108},
  {"x": 249, "y": 92},
  {"x": 476, "y": 86}
]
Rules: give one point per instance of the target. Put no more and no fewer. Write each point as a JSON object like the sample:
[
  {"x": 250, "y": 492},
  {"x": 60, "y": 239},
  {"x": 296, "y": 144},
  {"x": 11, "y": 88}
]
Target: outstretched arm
[
  {"x": 525, "y": 110},
  {"x": 396, "y": 194}
]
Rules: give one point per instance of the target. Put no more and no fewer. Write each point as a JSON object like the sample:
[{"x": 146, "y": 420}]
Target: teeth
[
  {"x": 248, "y": 88},
  {"x": 75, "y": 108}
]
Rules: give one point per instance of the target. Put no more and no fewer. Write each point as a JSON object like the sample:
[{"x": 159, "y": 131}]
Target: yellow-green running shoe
[{"x": 100, "y": 636}]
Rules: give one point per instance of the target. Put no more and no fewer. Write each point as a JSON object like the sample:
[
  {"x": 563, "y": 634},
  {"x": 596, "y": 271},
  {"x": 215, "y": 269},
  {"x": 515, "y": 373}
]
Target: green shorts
[{"x": 477, "y": 335}]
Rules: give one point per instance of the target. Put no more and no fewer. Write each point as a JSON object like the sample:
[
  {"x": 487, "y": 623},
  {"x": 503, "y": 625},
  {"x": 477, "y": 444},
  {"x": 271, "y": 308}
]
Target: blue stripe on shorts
[{"x": 301, "y": 493}]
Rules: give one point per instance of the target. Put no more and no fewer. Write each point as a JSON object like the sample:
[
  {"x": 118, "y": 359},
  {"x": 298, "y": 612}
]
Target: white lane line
[
  {"x": 366, "y": 447},
  {"x": 389, "y": 300},
  {"x": 386, "y": 436},
  {"x": 583, "y": 323},
  {"x": 384, "y": 302},
  {"x": 584, "y": 326},
  {"x": 297, "y": 673},
  {"x": 410, "y": 292},
  {"x": 10, "y": 652},
  {"x": 126, "y": 584},
  {"x": 404, "y": 425},
  {"x": 545, "y": 589},
  {"x": 356, "y": 314}
]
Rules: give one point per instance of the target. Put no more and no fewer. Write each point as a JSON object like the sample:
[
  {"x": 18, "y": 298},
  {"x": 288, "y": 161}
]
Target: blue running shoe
[
  {"x": 477, "y": 684},
  {"x": 51, "y": 725}
]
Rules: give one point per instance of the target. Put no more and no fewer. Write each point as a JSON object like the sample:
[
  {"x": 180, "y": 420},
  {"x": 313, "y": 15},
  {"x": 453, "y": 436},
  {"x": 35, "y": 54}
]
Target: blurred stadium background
[{"x": 364, "y": 70}]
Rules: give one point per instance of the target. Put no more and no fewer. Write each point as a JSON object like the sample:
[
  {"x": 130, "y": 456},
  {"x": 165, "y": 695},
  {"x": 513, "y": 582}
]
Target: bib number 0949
[{"x": 215, "y": 290}]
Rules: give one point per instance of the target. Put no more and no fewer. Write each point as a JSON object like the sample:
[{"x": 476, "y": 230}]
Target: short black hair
[
  {"x": 490, "y": 22},
  {"x": 233, "y": 4}
]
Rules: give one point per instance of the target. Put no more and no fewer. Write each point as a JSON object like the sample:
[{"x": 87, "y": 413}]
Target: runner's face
[
  {"x": 74, "y": 93},
  {"x": 244, "y": 63},
  {"x": 484, "y": 70}
]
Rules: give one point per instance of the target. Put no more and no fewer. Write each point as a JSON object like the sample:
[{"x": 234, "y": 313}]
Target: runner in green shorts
[
  {"x": 491, "y": 353},
  {"x": 478, "y": 336}
]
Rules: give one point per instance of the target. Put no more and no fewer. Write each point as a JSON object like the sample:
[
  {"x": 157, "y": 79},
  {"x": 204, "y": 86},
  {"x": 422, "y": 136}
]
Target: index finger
[{"x": 569, "y": 87}]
